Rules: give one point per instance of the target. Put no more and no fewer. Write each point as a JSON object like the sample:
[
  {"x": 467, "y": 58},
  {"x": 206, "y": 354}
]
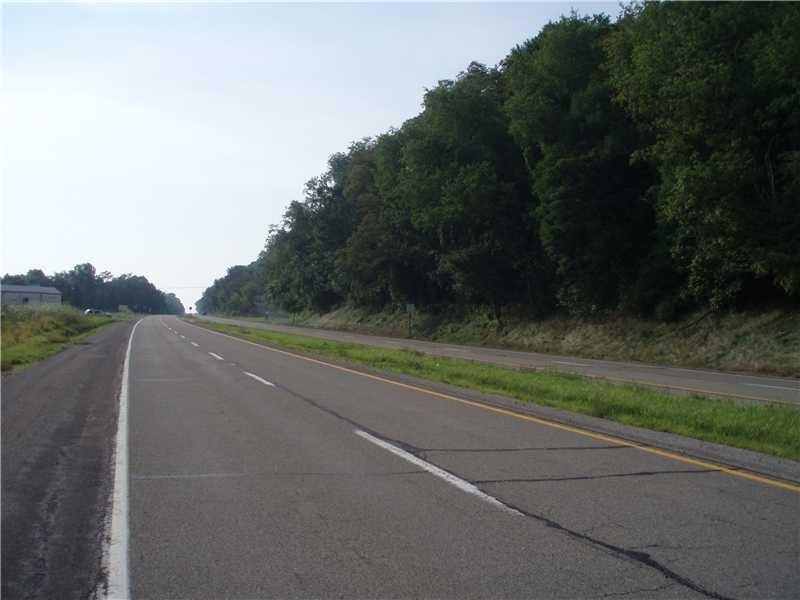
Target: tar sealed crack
[
  {"x": 642, "y": 558},
  {"x": 592, "y": 477},
  {"x": 637, "y": 591}
]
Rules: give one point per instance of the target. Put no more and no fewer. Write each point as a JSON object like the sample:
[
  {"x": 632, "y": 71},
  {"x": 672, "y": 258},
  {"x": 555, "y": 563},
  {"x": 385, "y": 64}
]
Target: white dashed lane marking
[
  {"x": 259, "y": 379},
  {"x": 464, "y": 486}
]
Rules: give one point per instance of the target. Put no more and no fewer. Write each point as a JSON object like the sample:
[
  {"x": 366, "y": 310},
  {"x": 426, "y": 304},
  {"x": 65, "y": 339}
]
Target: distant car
[{"x": 96, "y": 311}]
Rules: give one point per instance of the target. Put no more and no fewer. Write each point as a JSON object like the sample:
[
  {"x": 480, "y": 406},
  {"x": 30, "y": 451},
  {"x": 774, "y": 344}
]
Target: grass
[
  {"x": 32, "y": 334},
  {"x": 759, "y": 342},
  {"x": 769, "y": 429}
]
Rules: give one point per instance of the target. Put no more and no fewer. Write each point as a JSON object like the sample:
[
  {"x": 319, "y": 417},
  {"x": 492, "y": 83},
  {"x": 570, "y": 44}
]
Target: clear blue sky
[{"x": 163, "y": 140}]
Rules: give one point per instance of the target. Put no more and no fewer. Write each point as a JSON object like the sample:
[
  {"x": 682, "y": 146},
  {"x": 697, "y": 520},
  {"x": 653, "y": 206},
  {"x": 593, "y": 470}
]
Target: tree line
[
  {"x": 648, "y": 165},
  {"x": 83, "y": 287}
]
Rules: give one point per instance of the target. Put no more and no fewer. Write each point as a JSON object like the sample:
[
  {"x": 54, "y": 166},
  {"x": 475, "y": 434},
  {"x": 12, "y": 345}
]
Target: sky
[{"x": 165, "y": 139}]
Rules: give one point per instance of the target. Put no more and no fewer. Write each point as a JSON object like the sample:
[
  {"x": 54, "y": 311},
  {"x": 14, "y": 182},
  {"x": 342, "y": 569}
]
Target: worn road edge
[{"x": 116, "y": 556}]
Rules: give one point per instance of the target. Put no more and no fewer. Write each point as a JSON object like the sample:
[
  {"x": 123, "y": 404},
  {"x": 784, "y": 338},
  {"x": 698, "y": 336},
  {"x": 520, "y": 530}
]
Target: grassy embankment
[
  {"x": 31, "y": 334},
  {"x": 763, "y": 428},
  {"x": 767, "y": 342}
]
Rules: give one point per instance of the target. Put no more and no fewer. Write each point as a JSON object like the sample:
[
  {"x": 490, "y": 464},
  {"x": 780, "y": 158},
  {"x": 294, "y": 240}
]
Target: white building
[{"x": 29, "y": 294}]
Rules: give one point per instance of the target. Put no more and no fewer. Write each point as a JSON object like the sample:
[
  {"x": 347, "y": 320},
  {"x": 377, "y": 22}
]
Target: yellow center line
[{"x": 538, "y": 420}]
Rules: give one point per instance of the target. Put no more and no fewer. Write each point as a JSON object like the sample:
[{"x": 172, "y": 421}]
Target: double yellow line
[{"x": 538, "y": 420}]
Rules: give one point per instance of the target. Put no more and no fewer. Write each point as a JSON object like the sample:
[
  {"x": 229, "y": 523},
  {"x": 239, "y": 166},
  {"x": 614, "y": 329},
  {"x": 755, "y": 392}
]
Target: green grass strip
[
  {"x": 767, "y": 428},
  {"x": 30, "y": 335}
]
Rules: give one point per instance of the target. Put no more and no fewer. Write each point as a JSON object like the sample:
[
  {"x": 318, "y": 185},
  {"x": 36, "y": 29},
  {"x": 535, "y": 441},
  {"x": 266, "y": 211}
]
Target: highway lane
[
  {"x": 704, "y": 381},
  {"x": 254, "y": 473}
]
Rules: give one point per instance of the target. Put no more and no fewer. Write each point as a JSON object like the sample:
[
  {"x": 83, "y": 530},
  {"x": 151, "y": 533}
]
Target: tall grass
[
  {"x": 759, "y": 342},
  {"x": 29, "y": 334}
]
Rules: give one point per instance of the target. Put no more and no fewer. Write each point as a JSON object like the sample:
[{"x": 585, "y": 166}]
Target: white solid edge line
[
  {"x": 195, "y": 344},
  {"x": 257, "y": 378},
  {"x": 217, "y": 356},
  {"x": 571, "y": 364},
  {"x": 117, "y": 552},
  {"x": 774, "y": 387},
  {"x": 464, "y": 486}
]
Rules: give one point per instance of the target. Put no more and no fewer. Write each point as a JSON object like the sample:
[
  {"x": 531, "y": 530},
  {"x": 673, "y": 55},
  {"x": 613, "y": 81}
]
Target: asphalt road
[
  {"x": 259, "y": 474},
  {"x": 254, "y": 473},
  {"x": 58, "y": 427},
  {"x": 702, "y": 381}
]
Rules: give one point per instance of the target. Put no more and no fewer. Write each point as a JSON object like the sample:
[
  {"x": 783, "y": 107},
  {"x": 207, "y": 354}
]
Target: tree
[
  {"x": 716, "y": 86},
  {"x": 300, "y": 254},
  {"x": 83, "y": 288},
  {"x": 464, "y": 180},
  {"x": 645, "y": 166},
  {"x": 32, "y": 277},
  {"x": 173, "y": 304},
  {"x": 594, "y": 221}
]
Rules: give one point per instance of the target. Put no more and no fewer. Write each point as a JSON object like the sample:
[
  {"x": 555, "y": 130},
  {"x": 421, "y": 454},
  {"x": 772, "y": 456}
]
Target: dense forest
[
  {"x": 83, "y": 287},
  {"x": 646, "y": 166}
]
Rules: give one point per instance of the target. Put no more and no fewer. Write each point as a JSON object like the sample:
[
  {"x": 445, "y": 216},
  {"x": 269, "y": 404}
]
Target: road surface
[
  {"x": 701, "y": 381},
  {"x": 250, "y": 472},
  {"x": 256, "y": 473}
]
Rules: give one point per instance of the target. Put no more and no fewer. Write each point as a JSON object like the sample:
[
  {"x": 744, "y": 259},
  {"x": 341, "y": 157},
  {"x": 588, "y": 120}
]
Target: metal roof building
[{"x": 29, "y": 294}]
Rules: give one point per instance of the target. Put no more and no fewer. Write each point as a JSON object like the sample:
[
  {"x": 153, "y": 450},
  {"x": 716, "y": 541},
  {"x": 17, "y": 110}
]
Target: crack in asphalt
[
  {"x": 636, "y": 591},
  {"x": 401, "y": 444},
  {"x": 42, "y": 532},
  {"x": 642, "y": 558},
  {"x": 590, "y": 477}
]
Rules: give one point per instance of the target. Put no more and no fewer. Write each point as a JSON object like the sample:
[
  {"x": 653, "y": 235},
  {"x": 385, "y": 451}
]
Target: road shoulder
[{"x": 58, "y": 430}]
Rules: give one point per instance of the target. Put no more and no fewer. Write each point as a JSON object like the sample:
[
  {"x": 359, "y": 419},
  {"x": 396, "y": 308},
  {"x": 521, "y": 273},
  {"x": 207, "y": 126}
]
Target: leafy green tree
[
  {"x": 385, "y": 258},
  {"x": 301, "y": 253},
  {"x": 363, "y": 263},
  {"x": 646, "y": 165},
  {"x": 594, "y": 221},
  {"x": 716, "y": 87},
  {"x": 83, "y": 288},
  {"x": 465, "y": 182},
  {"x": 37, "y": 277},
  {"x": 239, "y": 292},
  {"x": 173, "y": 304},
  {"x": 32, "y": 277}
]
